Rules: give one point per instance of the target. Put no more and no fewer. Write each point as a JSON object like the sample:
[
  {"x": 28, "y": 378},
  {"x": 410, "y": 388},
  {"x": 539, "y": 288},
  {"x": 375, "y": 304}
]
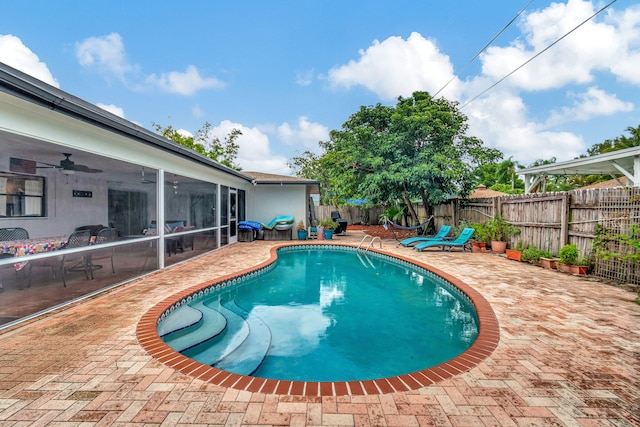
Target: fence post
[
  {"x": 564, "y": 219},
  {"x": 455, "y": 208}
]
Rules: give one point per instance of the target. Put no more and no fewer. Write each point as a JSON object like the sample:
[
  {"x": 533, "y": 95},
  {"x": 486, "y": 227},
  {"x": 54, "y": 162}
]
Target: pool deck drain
[{"x": 567, "y": 355}]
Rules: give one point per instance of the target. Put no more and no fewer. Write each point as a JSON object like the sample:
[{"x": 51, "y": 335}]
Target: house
[{"x": 68, "y": 165}]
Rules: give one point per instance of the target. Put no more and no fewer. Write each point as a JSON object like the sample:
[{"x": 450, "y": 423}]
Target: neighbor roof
[
  {"x": 482, "y": 192},
  {"x": 616, "y": 182},
  {"x": 268, "y": 178}
]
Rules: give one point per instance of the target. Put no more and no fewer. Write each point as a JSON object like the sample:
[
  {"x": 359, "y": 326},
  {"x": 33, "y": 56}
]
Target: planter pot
[
  {"x": 549, "y": 263},
  {"x": 478, "y": 247},
  {"x": 563, "y": 267},
  {"x": 328, "y": 234},
  {"x": 514, "y": 254},
  {"x": 302, "y": 234},
  {"x": 498, "y": 247},
  {"x": 320, "y": 233},
  {"x": 579, "y": 269}
]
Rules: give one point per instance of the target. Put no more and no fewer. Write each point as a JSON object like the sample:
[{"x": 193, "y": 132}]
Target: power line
[
  {"x": 484, "y": 48},
  {"x": 536, "y": 55}
]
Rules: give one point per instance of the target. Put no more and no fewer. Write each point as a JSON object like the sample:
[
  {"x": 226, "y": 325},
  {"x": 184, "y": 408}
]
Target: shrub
[
  {"x": 568, "y": 254},
  {"x": 328, "y": 224},
  {"x": 500, "y": 230}
]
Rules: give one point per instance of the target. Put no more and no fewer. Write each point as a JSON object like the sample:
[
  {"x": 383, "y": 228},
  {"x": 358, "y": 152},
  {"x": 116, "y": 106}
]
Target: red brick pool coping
[{"x": 485, "y": 344}]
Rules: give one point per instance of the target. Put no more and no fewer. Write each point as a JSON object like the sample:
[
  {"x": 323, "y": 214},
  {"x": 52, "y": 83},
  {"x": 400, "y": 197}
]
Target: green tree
[
  {"x": 618, "y": 143},
  {"x": 418, "y": 149},
  {"x": 204, "y": 143},
  {"x": 310, "y": 165}
]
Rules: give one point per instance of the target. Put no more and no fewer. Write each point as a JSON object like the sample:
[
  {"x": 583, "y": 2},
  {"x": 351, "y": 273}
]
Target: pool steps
[
  {"x": 211, "y": 324},
  {"x": 220, "y": 334},
  {"x": 211, "y": 351},
  {"x": 180, "y": 318},
  {"x": 248, "y": 356}
]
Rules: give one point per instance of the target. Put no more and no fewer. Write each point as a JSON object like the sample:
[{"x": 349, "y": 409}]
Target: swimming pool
[
  {"x": 326, "y": 314},
  {"x": 149, "y": 338}
]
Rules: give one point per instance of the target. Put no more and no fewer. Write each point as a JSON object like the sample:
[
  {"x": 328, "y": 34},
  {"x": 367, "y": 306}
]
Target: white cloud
[
  {"x": 113, "y": 109},
  {"x": 397, "y": 67},
  {"x": 306, "y": 135},
  {"x": 304, "y": 78},
  {"x": 627, "y": 49},
  {"x": 574, "y": 76},
  {"x": 255, "y": 151},
  {"x": 15, "y": 54},
  {"x": 601, "y": 44},
  {"x": 592, "y": 103},
  {"x": 106, "y": 54},
  {"x": 500, "y": 120},
  {"x": 184, "y": 83},
  {"x": 197, "y": 111}
]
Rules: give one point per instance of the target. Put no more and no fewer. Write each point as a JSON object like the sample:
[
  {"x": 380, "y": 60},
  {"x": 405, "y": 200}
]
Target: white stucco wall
[{"x": 268, "y": 201}]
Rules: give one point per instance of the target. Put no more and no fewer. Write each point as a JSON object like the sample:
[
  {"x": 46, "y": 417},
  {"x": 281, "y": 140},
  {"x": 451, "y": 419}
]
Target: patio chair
[
  {"x": 459, "y": 242},
  {"x": 281, "y": 222},
  {"x": 70, "y": 262},
  {"x": 342, "y": 223},
  {"x": 15, "y": 233},
  {"x": 106, "y": 235},
  {"x": 440, "y": 235},
  {"x": 7, "y": 234}
]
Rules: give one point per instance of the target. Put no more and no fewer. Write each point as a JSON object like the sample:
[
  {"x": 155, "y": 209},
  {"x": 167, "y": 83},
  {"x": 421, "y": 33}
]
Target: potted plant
[
  {"x": 568, "y": 255},
  {"x": 531, "y": 255},
  {"x": 548, "y": 261},
  {"x": 481, "y": 237},
  {"x": 302, "y": 231},
  {"x": 500, "y": 230},
  {"x": 581, "y": 266},
  {"x": 516, "y": 253},
  {"x": 327, "y": 226}
]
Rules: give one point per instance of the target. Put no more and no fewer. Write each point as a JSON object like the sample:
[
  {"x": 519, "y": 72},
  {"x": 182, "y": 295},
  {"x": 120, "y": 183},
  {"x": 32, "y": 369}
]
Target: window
[{"x": 21, "y": 195}]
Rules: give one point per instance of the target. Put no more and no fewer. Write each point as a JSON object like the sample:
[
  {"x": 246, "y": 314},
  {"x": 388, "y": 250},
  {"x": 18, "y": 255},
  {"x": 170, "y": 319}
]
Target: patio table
[{"x": 19, "y": 248}]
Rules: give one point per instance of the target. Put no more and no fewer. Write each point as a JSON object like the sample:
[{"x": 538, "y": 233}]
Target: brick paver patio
[{"x": 569, "y": 354}]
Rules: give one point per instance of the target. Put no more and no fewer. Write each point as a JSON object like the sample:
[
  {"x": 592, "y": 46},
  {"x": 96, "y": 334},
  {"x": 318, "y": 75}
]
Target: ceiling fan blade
[{"x": 83, "y": 168}]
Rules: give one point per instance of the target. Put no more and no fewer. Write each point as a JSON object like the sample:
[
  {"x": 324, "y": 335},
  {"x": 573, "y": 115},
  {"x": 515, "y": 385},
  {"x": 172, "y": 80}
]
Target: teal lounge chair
[
  {"x": 459, "y": 242},
  {"x": 281, "y": 222},
  {"x": 440, "y": 235}
]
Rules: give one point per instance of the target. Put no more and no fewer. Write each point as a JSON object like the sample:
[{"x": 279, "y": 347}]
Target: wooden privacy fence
[
  {"x": 353, "y": 214},
  {"x": 548, "y": 221}
]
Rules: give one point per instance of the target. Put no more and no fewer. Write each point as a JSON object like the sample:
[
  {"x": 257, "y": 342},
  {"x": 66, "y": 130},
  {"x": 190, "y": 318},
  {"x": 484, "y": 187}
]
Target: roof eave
[{"x": 28, "y": 88}]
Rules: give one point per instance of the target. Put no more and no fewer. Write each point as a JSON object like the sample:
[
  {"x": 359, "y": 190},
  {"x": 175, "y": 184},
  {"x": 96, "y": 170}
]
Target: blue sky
[{"x": 287, "y": 72}]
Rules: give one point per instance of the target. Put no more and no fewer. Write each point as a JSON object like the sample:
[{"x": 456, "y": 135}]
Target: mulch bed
[{"x": 379, "y": 231}]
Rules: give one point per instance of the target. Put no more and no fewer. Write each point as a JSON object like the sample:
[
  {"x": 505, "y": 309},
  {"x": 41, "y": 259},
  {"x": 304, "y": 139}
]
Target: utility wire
[
  {"x": 484, "y": 48},
  {"x": 536, "y": 55}
]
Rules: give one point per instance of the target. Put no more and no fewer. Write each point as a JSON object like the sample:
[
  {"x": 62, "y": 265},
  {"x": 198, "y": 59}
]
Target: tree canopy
[
  {"x": 417, "y": 149},
  {"x": 618, "y": 143},
  {"x": 204, "y": 143}
]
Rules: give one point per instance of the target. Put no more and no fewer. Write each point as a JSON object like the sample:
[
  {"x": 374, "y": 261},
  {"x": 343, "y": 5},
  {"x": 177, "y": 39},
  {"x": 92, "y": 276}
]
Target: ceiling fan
[
  {"x": 144, "y": 180},
  {"x": 68, "y": 166}
]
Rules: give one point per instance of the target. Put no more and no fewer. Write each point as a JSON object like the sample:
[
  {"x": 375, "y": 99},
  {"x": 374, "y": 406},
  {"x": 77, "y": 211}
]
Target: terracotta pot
[
  {"x": 498, "y": 247},
  {"x": 549, "y": 263},
  {"x": 579, "y": 269},
  {"x": 563, "y": 267},
  {"x": 478, "y": 247},
  {"x": 514, "y": 254}
]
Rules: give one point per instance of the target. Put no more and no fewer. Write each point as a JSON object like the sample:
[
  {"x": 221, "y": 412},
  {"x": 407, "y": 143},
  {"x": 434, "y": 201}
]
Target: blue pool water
[{"x": 326, "y": 314}]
